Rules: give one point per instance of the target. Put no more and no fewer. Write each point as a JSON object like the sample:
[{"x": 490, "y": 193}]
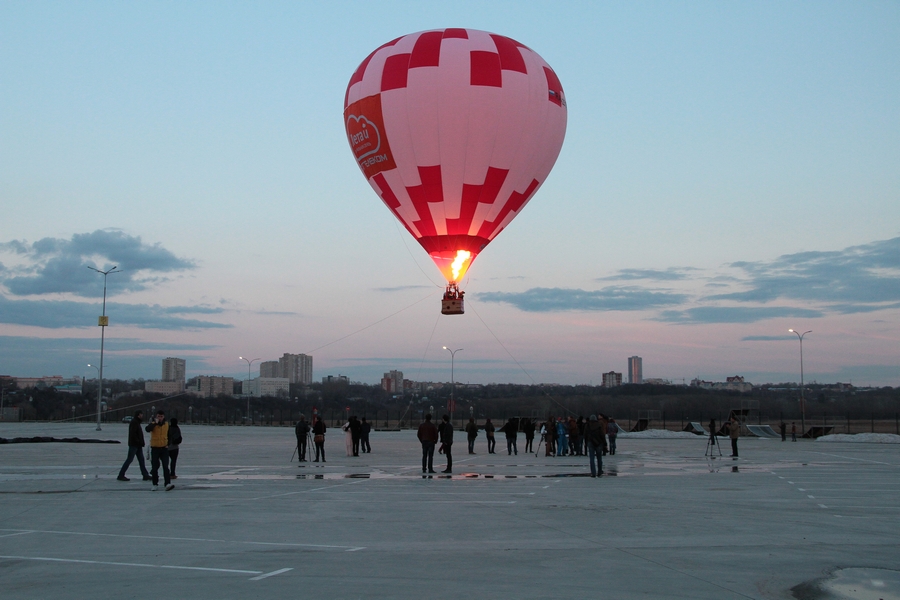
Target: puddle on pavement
[{"x": 854, "y": 583}]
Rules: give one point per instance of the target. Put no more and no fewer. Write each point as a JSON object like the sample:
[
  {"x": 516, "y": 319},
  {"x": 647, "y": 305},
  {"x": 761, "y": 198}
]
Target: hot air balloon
[{"x": 455, "y": 130}]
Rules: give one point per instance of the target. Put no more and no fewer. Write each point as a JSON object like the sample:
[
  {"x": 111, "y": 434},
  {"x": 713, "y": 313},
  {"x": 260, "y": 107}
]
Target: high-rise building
[
  {"x": 392, "y": 382},
  {"x": 270, "y": 368},
  {"x": 612, "y": 379},
  {"x": 635, "y": 370},
  {"x": 296, "y": 368},
  {"x": 173, "y": 369}
]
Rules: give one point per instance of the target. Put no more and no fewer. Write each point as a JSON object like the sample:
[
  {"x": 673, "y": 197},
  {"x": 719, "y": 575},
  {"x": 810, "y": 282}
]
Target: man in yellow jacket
[{"x": 159, "y": 450}]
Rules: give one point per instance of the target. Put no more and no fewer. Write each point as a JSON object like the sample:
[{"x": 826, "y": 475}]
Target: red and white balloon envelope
[{"x": 455, "y": 130}]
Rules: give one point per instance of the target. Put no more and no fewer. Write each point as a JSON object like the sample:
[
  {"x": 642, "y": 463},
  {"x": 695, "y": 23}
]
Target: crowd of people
[
  {"x": 594, "y": 437},
  {"x": 566, "y": 436}
]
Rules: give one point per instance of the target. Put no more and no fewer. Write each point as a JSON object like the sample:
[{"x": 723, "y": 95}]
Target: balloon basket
[{"x": 452, "y": 302}]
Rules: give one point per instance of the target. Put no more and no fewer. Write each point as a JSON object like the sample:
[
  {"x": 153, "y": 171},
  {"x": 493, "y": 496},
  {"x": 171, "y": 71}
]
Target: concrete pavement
[{"x": 244, "y": 521}]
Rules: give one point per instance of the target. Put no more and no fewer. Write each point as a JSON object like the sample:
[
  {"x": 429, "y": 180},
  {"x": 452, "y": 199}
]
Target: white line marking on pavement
[
  {"x": 822, "y": 506},
  {"x": 182, "y": 539},
  {"x": 122, "y": 564},
  {"x": 356, "y": 549},
  {"x": 18, "y": 533},
  {"x": 810, "y": 496},
  {"x": 273, "y": 573}
]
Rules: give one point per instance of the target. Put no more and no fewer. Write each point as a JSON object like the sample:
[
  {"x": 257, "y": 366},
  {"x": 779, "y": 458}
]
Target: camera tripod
[
  {"x": 712, "y": 444},
  {"x": 308, "y": 454}
]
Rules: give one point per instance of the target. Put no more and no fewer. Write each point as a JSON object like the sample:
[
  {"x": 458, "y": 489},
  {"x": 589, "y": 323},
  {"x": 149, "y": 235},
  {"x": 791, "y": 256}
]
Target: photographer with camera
[{"x": 159, "y": 450}]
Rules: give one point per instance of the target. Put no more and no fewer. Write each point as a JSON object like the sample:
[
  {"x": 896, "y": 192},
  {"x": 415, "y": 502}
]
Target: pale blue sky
[{"x": 729, "y": 171}]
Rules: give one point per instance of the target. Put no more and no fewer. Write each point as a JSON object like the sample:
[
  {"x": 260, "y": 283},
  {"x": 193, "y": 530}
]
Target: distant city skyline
[{"x": 728, "y": 173}]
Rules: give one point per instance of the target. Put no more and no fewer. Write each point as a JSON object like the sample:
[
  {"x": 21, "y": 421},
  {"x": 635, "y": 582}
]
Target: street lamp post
[
  {"x": 452, "y": 380},
  {"x": 249, "y": 363},
  {"x": 802, "y": 403},
  {"x": 103, "y": 321},
  {"x": 99, "y": 390}
]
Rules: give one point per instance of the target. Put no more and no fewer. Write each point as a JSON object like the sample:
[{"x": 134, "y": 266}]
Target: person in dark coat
[
  {"x": 135, "y": 447},
  {"x": 355, "y": 433},
  {"x": 428, "y": 437},
  {"x": 471, "y": 434},
  {"x": 734, "y": 432},
  {"x": 174, "y": 443},
  {"x": 612, "y": 431},
  {"x": 572, "y": 429},
  {"x": 319, "y": 437},
  {"x": 528, "y": 428},
  {"x": 489, "y": 433},
  {"x": 446, "y": 432},
  {"x": 593, "y": 433},
  {"x": 365, "y": 429},
  {"x": 511, "y": 430},
  {"x": 301, "y": 430}
]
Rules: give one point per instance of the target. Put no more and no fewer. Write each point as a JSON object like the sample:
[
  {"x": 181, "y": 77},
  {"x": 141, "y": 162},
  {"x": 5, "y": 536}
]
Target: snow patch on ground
[
  {"x": 869, "y": 438},
  {"x": 658, "y": 434}
]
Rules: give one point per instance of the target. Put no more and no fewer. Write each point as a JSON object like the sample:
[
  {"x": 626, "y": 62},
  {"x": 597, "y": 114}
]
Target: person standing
[
  {"x": 319, "y": 437},
  {"x": 446, "y": 433},
  {"x": 135, "y": 447},
  {"x": 489, "y": 433},
  {"x": 734, "y": 431},
  {"x": 549, "y": 437},
  {"x": 471, "y": 434},
  {"x": 793, "y": 431},
  {"x": 302, "y": 432},
  {"x": 511, "y": 429},
  {"x": 364, "y": 431},
  {"x": 572, "y": 427},
  {"x": 174, "y": 436},
  {"x": 783, "y": 428},
  {"x": 355, "y": 434},
  {"x": 593, "y": 433},
  {"x": 428, "y": 437},
  {"x": 581, "y": 450},
  {"x": 612, "y": 431},
  {"x": 348, "y": 437},
  {"x": 528, "y": 428},
  {"x": 159, "y": 450},
  {"x": 562, "y": 438}
]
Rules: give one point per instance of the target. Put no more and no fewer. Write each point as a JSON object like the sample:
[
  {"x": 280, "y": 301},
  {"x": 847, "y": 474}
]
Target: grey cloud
[
  {"x": 670, "y": 274},
  {"x": 60, "y": 265},
  {"x": 734, "y": 314},
  {"x": 767, "y": 338},
  {"x": 610, "y": 298},
  {"x": 849, "y": 309},
  {"x": 55, "y": 314},
  {"x": 857, "y": 279}
]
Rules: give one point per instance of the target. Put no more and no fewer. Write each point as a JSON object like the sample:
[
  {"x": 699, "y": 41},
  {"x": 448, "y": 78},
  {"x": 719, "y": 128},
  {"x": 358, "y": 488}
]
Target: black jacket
[
  {"x": 135, "y": 433},
  {"x": 445, "y": 429}
]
